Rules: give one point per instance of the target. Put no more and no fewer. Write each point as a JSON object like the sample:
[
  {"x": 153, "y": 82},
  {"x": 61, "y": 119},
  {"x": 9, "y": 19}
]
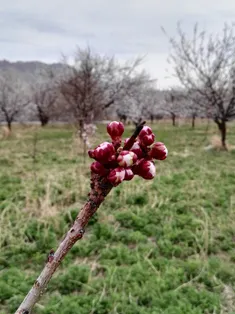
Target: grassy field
[{"x": 162, "y": 246}]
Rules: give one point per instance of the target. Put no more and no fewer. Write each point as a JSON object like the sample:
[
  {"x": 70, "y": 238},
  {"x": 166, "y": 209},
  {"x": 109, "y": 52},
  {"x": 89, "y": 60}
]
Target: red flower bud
[
  {"x": 135, "y": 148},
  {"x": 104, "y": 153},
  {"x": 145, "y": 169},
  {"x": 91, "y": 153},
  {"x": 128, "y": 174},
  {"x": 158, "y": 151},
  {"x": 146, "y": 136},
  {"x": 115, "y": 129},
  {"x": 126, "y": 159},
  {"x": 98, "y": 168},
  {"x": 116, "y": 176}
]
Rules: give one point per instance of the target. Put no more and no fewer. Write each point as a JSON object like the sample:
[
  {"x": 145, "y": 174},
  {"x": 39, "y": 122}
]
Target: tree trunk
[
  {"x": 223, "y": 132},
  {"x": 43, "y": 117},
  {"x": 9, "y": 122},
  {"x": 82, "y": 136},
  {"x": 44, "y": 121},
  {"x": 173, "y": 119},
  {"x": 123, "y": 118},
  {"x": 152, "y": 118},
  {"x": 193, "y": 121},
  {"x": 81, "y": 128}
]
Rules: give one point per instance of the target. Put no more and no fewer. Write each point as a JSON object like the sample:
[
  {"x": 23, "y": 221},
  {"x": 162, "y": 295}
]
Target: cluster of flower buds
[{"x": 136, "y": 157}]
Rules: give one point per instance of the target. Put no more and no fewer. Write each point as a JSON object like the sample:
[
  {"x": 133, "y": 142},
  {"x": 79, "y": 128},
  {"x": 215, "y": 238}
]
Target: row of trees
[
  {"x": 80, "y": 95},
  {"x": 95, "y": 85},
  {"x": 81, "y": 92}
]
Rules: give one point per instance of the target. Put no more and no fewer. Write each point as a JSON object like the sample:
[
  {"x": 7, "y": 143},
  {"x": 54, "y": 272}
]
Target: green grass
[{"x": 162, "y": 246}]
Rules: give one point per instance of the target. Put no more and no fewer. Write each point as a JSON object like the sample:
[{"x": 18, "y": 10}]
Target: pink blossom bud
[
  {"x": 128, "y": 174},
  {"x": 158, "y": 151},
  {"x": 116, "y": 176},
  {"x": 126, "y": 159},
  {"x": 104, "y": 153},
  {"x": 98, "y": 168},
  {"x": 146, "y": 136},
  {"x": 115, "y": 129},
  {"x": 135, "y": 148},
  {"x": 145, "y": 169}
]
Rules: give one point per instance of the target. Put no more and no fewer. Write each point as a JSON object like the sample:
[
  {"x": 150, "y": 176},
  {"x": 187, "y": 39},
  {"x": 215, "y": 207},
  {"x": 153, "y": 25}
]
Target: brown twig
[
  {"x": 100, "y": 188},
  {"x": 132, "y": 139}
]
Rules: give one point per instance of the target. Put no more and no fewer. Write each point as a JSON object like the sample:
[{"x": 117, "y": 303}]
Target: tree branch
[{"x": 100, "y": 188}]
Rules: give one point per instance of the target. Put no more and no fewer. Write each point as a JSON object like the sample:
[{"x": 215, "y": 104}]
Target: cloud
[{"x": 42, "y": 30}]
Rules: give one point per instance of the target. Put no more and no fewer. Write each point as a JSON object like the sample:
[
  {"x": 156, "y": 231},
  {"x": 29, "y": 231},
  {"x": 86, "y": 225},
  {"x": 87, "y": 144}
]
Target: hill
[{"x": 27, "y": 69}]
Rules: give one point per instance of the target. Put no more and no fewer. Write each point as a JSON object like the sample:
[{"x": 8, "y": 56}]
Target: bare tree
[
  {"x": 195, "y": 107},
  {"x": 173, "y": 104},
  {"x": 153, "y": 102},
  {"x": 45, "y": 93},
  {"x": 94, "y": 83},
  {"x": 13, "y": 97},
  {"x": 204, "y": 64}
]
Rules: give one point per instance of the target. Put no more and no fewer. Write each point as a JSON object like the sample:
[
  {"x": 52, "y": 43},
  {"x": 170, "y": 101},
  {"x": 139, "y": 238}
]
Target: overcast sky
[{"x": 43, "y": 29}]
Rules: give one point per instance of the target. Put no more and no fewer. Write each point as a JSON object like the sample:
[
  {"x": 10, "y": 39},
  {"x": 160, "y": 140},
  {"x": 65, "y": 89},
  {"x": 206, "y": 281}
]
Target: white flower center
[
  {"x": 129, "y": 172},
  {"x": 120, "y": 175},
  {"x": 135, "y": 146},
  {"x": 127, "y": 160}
]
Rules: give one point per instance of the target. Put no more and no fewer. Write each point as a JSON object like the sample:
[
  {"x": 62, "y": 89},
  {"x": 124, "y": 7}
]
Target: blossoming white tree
[
  {"x": 204, "y": 64},
  {"x": 14, "y": 97}
]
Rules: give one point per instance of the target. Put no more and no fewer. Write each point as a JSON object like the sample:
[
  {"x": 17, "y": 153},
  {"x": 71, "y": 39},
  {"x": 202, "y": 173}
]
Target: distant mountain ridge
[
  {"x": 27, "y": 66},
  {"x": 27, "y": 69}
]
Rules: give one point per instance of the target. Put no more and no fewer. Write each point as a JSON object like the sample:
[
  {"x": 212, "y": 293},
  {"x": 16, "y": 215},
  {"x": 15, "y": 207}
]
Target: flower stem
[
  {"x": 132, "y": 139},
  {"x": 100, "y": 187}
]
